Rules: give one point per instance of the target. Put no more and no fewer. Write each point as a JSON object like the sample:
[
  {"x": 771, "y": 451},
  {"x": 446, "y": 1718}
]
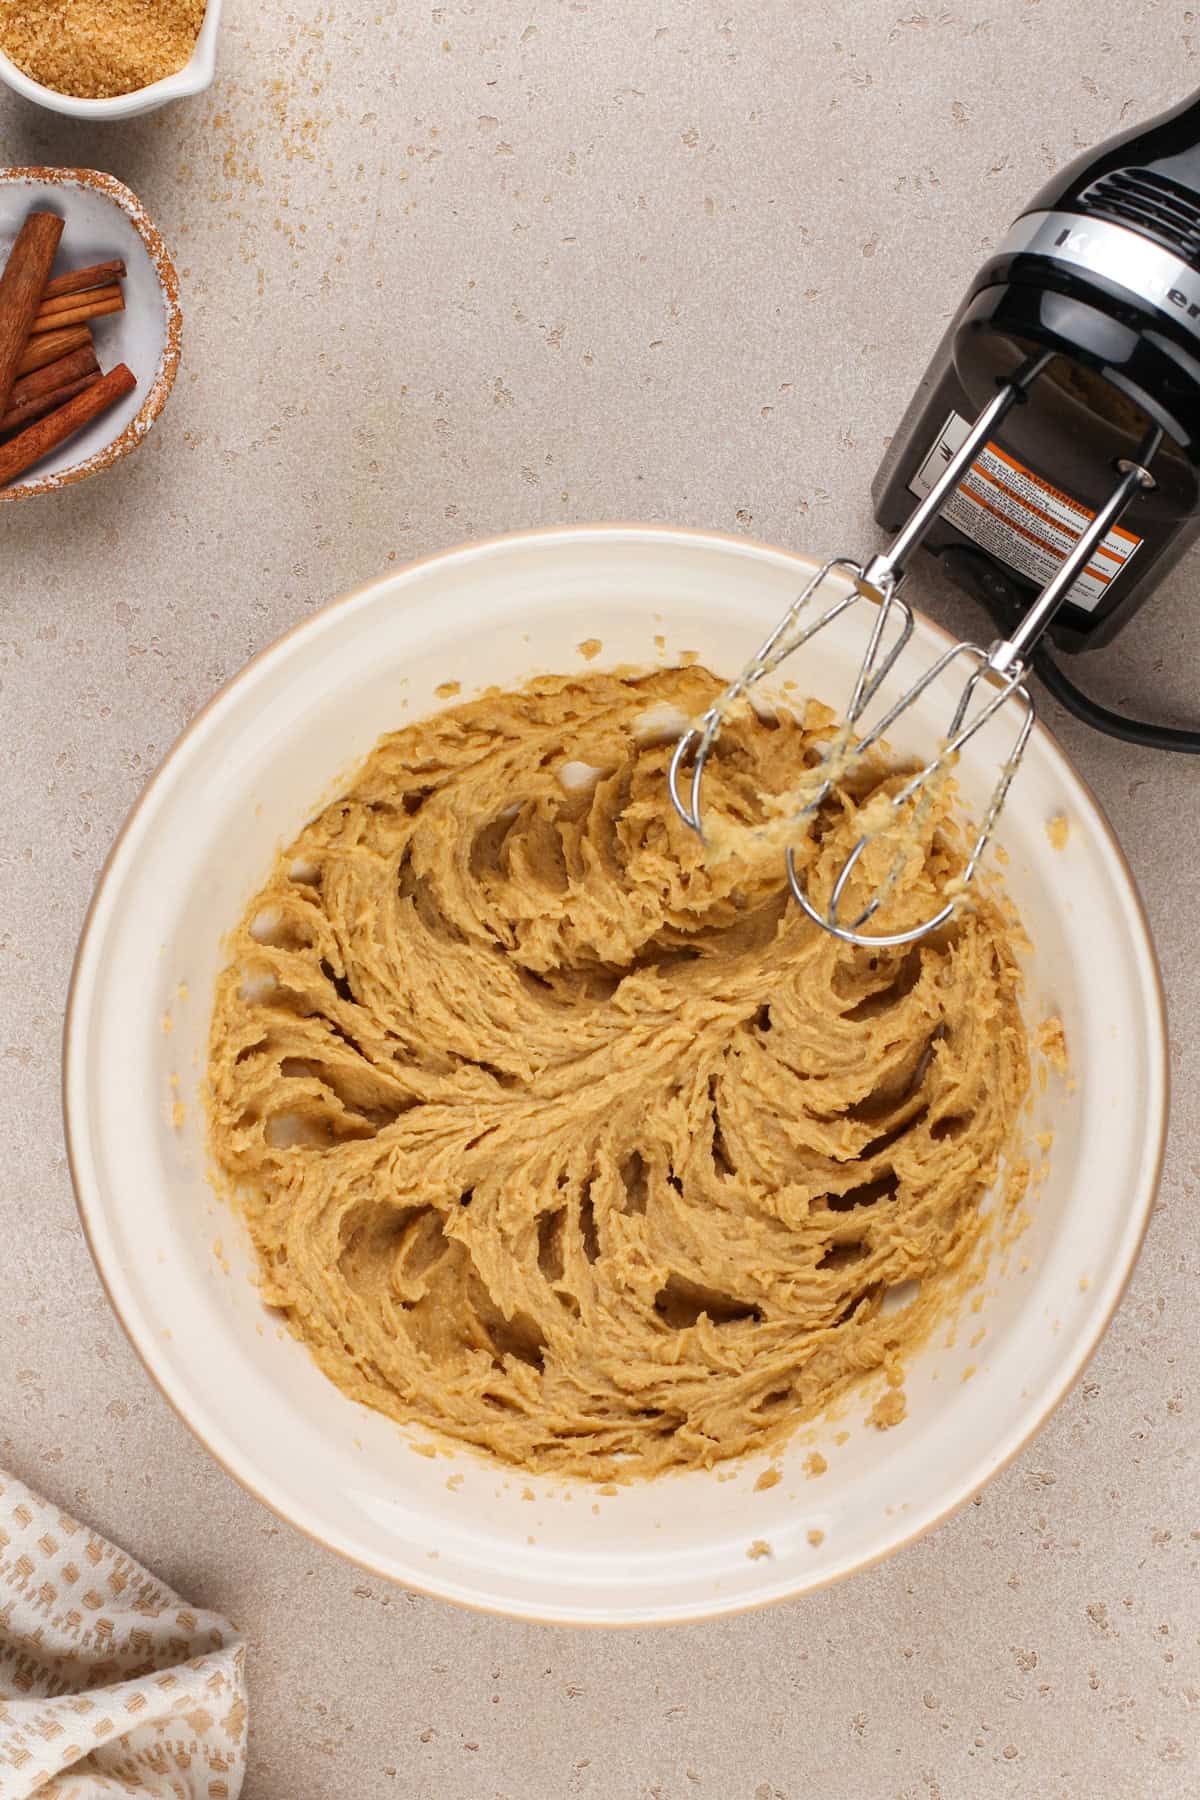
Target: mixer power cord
[
  {"x": 1131, "y": 731},
  {"x": 1143, "y": 732}
]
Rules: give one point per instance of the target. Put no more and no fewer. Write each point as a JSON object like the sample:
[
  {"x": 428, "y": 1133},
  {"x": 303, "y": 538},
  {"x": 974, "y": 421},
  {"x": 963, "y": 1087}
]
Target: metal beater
[{"x": 996, "y": 678}]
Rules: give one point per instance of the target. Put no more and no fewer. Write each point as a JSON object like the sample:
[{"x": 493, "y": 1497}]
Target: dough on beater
[{"x": 559, "y": 1139}]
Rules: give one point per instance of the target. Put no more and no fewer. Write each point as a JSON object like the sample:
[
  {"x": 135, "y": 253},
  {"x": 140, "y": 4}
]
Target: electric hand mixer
[{"x": 1063, "y": 399}]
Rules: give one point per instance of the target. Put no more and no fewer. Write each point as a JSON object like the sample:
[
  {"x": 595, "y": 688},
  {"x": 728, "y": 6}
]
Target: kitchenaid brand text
[
  {"x": 1077, "y": 241},
  {"x": 1116, "y": 253}
]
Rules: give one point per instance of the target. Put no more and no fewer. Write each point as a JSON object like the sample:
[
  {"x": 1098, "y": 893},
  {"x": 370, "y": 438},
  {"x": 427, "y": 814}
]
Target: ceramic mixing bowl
[{"x": 240, "y": 782}]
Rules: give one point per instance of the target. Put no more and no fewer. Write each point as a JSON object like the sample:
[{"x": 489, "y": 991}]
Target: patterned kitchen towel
[{"x": 109, "y": 1684}]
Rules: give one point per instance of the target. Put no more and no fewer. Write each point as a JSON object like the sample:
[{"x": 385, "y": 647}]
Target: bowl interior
[
  {"x": 241, "y": 782},
  {"x": 98, "y": 227}
]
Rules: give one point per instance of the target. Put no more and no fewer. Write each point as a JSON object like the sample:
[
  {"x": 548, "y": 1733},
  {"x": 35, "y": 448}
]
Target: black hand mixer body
[
  {"x": 1091, "y": 309},
  {"x": 1051, "y": 458}
]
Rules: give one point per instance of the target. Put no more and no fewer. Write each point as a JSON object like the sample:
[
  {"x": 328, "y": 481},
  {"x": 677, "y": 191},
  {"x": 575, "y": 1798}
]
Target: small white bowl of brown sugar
[{"x": 108, "y": 59}]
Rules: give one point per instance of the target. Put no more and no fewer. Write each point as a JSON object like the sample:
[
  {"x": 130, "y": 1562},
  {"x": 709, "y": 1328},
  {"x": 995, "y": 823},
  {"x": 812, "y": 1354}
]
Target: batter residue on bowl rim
[{"x": 559, "y": 1139}]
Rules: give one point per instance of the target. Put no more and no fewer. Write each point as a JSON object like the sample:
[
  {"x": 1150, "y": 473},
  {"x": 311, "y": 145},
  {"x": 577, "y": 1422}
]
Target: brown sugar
[{"x": 95, "y": 49}]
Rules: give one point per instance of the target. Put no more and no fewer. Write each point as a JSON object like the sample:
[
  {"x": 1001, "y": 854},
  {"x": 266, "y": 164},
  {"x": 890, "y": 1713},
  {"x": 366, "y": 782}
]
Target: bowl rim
[
  {"x": 90, "y": 1211},
  {"x": 196, "y": 74},
  {"x": 168, "y": 362}
]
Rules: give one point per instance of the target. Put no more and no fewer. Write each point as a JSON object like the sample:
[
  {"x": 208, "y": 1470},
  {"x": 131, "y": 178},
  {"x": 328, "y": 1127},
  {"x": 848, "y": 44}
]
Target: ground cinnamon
[{"x": 97, "y": 48}]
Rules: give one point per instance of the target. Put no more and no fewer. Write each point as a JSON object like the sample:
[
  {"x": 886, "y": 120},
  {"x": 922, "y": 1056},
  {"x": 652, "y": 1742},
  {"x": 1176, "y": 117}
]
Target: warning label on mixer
[{"x": 1016, "y": 516}]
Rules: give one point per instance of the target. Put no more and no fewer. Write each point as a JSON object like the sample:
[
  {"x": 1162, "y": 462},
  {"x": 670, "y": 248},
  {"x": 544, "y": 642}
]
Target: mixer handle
[
  {"x": 1007, "y": 656},
  {"x": 886, "y": 570}
]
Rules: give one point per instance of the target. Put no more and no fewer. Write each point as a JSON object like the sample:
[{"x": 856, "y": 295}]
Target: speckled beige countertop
[{"x": 448, "y": 271}]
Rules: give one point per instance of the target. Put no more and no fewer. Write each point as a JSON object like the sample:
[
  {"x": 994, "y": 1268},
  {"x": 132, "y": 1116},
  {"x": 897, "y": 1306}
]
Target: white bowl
[
  {"x": 196, "y": 75},
  {"x": 103, "y": 219},
  {"x": 240, "y": 782}
]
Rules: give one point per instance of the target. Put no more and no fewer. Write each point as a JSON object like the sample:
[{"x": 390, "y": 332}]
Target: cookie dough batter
[{"x": 583, "y": 1150}]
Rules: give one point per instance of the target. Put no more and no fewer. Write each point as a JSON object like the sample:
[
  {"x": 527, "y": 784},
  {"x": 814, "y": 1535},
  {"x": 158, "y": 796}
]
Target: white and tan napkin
[{"x": 110, "y": 1685}]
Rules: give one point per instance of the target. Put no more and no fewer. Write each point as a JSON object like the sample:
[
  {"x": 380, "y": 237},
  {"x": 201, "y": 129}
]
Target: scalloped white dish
[{"x": 103, "y": 219}]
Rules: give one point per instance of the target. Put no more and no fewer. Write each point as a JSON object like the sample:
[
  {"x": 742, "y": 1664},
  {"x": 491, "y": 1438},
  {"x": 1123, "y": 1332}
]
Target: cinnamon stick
[
  {"x": 48, "y": 346},
  {"x": 36, "y": 441},
  {"x": 21, "y": 288},
  {"x": 88, "y": 308},
  {"x": 26, "y": 411},
  {"x": 64, "y": 303},
  {"x": 78, "y": 281},
  {"x": 54, "y": 375}
]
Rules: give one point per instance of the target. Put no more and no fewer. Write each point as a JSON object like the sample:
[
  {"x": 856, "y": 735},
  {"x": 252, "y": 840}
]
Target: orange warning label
[{"x": 1016, "y": 516}]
